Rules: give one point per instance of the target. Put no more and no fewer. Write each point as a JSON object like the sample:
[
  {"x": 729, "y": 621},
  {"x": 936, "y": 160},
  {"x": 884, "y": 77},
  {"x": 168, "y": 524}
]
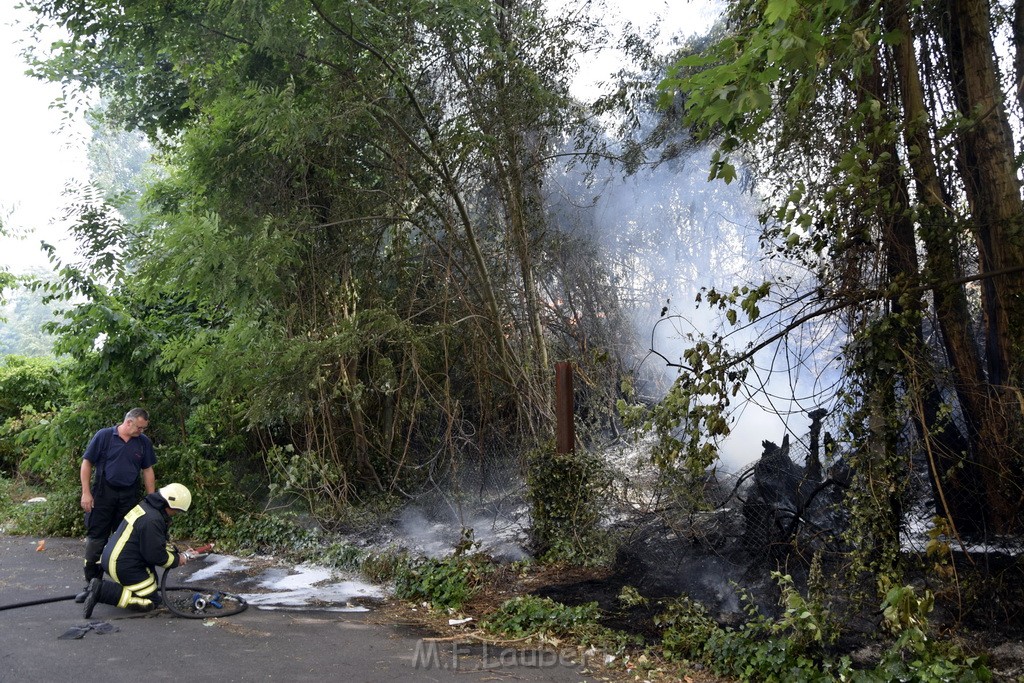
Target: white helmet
[{"x": 177, "y": 496}]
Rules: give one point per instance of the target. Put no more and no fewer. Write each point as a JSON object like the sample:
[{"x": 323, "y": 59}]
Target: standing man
[{"x": 120, "y": 455}]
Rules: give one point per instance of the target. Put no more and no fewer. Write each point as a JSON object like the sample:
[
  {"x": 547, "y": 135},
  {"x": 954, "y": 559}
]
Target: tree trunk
[
  {"x": 520, "y": 200},
  {"x": 952, "y": 471},
  {"x": 993, "y": 193},
  {"x": 1018, "y": 53}
]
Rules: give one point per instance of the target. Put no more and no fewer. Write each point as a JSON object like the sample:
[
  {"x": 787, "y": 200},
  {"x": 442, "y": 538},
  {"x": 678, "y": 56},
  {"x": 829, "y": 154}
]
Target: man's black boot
[
  {"x": 91, "y": 597},
  {"x": 80, "y": 597}
]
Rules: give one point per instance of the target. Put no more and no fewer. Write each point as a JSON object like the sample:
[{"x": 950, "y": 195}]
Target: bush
[
  {"x": 382, "y": 567},
  {"x": 216, "y": 495},
  {"x": 279, "y": 534},
  {"x": 564, "y": 493},
  {"x": 785, "y": 650},
  {"x": 342, "y": 556},
  {"x": 7, "y": 500},
  {"x": 530, "y": 615},
  {"x": 29, "y": 389},
  {"x": 790, "y": 648},
  {"x": 686, "y": 628},
  {"x": 445, "y": 583},
  {"x": 59, "y": 515},
  {"x": 54, "y": 443},
  {"x": 915, "y": 656},
  {"x": 33, "y": 384}
]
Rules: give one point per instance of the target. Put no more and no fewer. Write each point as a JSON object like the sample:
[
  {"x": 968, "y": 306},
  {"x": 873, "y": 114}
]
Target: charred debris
[{"x": 786, "y": 512}]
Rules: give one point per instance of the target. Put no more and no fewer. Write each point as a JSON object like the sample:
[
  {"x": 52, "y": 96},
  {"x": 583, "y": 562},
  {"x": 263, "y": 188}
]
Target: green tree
[
  {"x": 6, "y": 279},
  {"x": 25, "y": 317},
  {"x": 31, "y": 389},
  {"x": 343, "y": 248},
  {"x": 882, "y": 138}
]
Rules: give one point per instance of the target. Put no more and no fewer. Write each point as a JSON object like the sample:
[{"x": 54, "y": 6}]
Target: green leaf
[
  {"x": 727, "y": 172},
  {"x": 779, "y": 10}
]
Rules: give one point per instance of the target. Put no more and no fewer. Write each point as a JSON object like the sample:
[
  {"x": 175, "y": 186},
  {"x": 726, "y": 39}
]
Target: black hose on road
[
  {"x": 196, "y": 602},
  {"x": 42, "y": 601}
]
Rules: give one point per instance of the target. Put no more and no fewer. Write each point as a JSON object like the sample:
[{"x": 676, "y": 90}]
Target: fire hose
[
  {"x": 41, "y": 601},
  {"x": 203, "y": 603}
]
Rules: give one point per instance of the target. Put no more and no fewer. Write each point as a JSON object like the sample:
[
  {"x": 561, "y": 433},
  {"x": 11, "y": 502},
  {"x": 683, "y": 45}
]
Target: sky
[
  {"x": 38, "y": 155},
  {"x": 682, "y": 17}
]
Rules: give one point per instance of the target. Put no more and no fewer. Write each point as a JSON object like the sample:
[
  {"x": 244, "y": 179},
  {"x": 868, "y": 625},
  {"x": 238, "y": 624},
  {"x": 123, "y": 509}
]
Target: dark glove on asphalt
[{"x": 78, "y": 632}]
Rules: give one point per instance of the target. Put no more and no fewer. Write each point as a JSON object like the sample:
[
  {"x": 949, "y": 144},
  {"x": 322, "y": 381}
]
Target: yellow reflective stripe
[
  {"x": 137, "y": 594},
  {"x": 129, "y": 519},
  {"x": 144, "y": 587},
  {"x": 170, "y": 556},
  {"x": 128, "y": 598}
]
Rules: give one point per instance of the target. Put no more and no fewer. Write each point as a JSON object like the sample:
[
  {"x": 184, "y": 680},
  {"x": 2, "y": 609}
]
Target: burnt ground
[
  {"x": 713, "y": 558},
  {"x": 979, "y": 601},
  {"x": 570, "y": 586},
  {"x": 986, "y": 616}
]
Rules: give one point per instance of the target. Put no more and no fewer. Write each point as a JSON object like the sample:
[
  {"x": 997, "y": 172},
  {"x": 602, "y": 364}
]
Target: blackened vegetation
[
  {"x": 788, "y": 512},
  {"x": 775, "y": 514},
  {"x": 789, "y": 506}
]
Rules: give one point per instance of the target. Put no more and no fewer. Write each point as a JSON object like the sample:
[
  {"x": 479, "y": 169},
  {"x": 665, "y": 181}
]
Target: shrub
[
  {"x": 342, "y": 556},
  {"x": 29, "y": 389},
  {"x": 915, "y": 656},
  {"x": 54, "y": 442},
  {"x": 445, "y": 583},
  {"x": 280, "y": 534},
  {"x": 216, "y": 498},
  {"x": 530, "y": 615},
  {"x": 790, "y": 648},
  {"x": 686, "y": 628},
  {"x": 36, "y": 384},
  {"x": 564, "y": 493},
  {"x": 382, "y": 567},
  {"x": 60, "y": 515}
]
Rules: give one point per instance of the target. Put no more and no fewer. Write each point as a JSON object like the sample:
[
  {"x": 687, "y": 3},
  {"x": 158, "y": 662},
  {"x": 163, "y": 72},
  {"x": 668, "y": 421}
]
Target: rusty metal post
[{"x": 565, "y": 441}]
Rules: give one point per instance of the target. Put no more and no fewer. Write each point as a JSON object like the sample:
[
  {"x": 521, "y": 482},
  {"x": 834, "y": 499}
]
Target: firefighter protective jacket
[{"x": 140, "y": 542}]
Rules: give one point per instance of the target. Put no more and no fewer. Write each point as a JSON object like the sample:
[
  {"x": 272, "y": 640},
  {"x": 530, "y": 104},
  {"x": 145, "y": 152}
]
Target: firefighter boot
[
  {"x": 92, "y": 595},
  {"x": 93, "y": 552}
]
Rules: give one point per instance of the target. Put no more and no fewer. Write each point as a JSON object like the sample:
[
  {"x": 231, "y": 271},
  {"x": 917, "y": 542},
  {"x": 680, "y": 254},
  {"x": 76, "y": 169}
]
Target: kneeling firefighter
[{"x": 133, "y": 552}]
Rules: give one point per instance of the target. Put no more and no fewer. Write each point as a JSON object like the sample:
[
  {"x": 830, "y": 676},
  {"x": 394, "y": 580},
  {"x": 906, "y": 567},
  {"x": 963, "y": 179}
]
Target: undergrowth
[
  {"x": 531, "y": 616},
  {"x": 57, "y": 513},
  {"x": 793, "y": 646}
]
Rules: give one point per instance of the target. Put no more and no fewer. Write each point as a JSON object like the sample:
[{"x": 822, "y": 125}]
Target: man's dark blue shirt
[{"x": 122, "y": 460}]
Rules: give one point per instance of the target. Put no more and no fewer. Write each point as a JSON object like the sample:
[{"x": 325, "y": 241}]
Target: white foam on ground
[
  {"x": 280, "y": 608},
  {"x": 305, "y": 575},
  {"x": 305, "y": 586},
  {"x": 312, "y": 587},
  {"x": 220, "y": 563}
]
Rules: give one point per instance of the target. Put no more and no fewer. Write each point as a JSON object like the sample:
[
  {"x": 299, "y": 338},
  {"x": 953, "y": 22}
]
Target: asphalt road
[{"x": 256, "y": 645}]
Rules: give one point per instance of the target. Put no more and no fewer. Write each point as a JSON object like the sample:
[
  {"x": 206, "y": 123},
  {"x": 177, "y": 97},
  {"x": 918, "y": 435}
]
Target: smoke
[
  {"x": 666, "y": 234},
  {"x": 660, "y": 23},
  {"x": 479, "y": 506},
  {"x": 435, "y": 530}
]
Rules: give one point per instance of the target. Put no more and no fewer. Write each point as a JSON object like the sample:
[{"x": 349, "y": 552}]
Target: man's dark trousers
[{"x": 110, "y": 505}]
